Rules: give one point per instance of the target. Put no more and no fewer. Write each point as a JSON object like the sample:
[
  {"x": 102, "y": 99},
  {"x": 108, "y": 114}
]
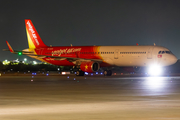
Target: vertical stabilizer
[{"x": 34, "y": 40}]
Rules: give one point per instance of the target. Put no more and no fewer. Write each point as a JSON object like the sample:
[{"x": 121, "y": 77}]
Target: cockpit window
[
  {"x": 168, "y": 52},
  {"x": 163, "y": 52}
]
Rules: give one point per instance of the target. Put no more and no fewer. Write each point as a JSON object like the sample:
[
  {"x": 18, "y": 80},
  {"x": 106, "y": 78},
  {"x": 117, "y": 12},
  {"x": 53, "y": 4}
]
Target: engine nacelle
[{"x": 89, "y": 66}]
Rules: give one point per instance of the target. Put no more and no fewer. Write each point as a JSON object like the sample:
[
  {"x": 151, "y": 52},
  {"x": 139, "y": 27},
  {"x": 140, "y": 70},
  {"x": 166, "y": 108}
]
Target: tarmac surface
[{"x": 89, "y": 98}]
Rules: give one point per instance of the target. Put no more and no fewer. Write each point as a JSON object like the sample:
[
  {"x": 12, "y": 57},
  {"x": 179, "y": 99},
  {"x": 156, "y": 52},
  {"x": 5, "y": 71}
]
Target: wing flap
[{"x": 68, "y": 58}]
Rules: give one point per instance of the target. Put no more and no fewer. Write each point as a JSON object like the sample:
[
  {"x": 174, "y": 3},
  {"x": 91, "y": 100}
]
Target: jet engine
[{"x": 89, "y": 66}]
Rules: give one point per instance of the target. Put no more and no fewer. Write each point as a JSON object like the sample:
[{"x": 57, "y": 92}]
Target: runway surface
[{"x": 89, "y": 98}]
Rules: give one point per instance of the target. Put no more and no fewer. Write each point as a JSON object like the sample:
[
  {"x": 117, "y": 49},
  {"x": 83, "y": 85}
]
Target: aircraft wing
[
  {"x": 16, "y": 51},
  {"x": 63, "y": 58}
]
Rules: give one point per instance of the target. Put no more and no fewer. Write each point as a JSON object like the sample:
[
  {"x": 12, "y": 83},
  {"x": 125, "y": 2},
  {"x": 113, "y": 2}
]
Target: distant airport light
[
  {"x": 34, "y": 62},
  {"x": 6, "y": 62},
  {"x": 85, "y": 73},
  {"x": 155, "y": 70},
  {"x": 25, "y": 59},
  {"x": 63, "y": 73}
]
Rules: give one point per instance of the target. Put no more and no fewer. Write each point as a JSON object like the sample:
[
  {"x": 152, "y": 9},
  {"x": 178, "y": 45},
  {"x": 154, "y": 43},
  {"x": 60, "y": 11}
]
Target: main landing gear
[
  {"x": 79, "y": 73},
  {"x": 107, "y": 72}
]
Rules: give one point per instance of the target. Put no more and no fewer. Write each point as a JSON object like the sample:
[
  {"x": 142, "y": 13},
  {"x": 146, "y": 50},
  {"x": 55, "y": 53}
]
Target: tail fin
[
  {"x": 10, "y": 48},
  {"x": 34, "y": 40}
]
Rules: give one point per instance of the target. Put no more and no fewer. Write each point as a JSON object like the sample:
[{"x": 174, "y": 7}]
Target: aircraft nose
[{"x": 173, "y": 59}]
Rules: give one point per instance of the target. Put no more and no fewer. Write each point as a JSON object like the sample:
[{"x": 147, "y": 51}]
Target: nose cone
[{"x": 173, "y": 59}]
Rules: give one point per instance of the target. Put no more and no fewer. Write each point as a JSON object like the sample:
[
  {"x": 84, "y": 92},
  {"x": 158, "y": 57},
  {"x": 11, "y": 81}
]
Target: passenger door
[
  {"x": 149, "y": 54},
  {"x": 116, "y": 54}
]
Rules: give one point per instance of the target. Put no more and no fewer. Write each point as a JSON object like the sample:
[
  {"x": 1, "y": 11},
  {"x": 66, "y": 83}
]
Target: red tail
[{"x": 34, "y": 39}]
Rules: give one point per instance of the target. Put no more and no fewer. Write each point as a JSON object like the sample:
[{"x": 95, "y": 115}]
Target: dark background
[{"x": 91, "y": 22}]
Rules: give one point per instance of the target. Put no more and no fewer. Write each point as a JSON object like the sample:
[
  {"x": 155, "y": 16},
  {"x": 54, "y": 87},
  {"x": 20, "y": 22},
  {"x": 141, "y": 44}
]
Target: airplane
[{"x": 91, "y": 58}]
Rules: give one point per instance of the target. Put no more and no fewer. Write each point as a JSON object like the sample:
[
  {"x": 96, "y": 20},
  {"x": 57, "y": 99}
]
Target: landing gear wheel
[
  {"x": 79, "y": 73},
  {"x": 107, "y": 73}
]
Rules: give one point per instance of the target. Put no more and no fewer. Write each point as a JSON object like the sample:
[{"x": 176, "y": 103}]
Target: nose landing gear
[
  {"x": 107, "y": 72},
  {"x": 79, "y": 73}
]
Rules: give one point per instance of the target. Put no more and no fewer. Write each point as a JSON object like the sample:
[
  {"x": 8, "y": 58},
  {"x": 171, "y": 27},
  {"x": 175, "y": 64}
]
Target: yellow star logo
[{"x": 86, "y": 67}]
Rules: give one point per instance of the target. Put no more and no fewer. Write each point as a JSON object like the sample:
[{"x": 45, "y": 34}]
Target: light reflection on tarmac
[{"x": 84, "y": 98}]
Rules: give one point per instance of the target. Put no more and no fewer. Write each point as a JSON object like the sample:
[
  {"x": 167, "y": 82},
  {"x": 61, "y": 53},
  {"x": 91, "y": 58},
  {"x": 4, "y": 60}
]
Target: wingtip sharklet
[{"x": 9, "y": 46}]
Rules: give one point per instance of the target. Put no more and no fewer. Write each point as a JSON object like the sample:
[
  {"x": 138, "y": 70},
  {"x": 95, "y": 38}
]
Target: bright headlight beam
[{"x": 155, "y": 70}]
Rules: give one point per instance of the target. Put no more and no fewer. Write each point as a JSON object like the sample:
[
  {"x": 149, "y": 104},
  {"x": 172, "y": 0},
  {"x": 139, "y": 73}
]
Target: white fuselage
[{"x": 137, "y": 55}]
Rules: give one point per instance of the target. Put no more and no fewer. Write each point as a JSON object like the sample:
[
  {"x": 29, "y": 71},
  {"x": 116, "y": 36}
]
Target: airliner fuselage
[{"x": 110, "y": 55}]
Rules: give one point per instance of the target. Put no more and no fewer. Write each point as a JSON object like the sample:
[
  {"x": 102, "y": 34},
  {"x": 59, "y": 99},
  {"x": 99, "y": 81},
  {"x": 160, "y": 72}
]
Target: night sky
[{"x": 91, "y": 22}]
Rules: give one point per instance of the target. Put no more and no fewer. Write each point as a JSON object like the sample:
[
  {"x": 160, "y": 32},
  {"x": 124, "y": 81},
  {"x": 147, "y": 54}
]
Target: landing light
[{"x": 155, "y": 70}]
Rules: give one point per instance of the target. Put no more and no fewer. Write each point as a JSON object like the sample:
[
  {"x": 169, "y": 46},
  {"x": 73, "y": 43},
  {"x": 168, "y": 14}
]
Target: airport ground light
[{"x": 24, "y": 67}]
